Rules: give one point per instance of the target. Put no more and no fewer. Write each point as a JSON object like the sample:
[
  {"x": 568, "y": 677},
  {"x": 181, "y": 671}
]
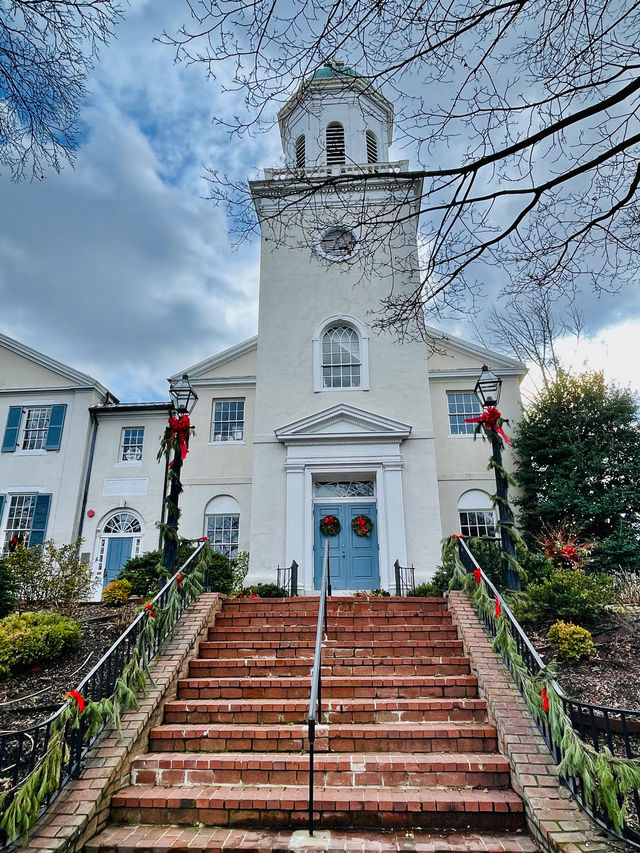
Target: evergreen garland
[{"x": 34, "y": 791}]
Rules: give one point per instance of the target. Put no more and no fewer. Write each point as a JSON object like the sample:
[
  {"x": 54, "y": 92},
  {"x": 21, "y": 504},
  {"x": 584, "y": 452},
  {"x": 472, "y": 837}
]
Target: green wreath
[
  {"x": 362, "y": 525},
  {"x": 330, "y": 525}
]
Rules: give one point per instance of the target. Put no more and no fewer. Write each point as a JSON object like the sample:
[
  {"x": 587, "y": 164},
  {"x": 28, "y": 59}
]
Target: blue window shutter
[
  {"x": 2, "y": 500},
  {"x": 10, "y": 439},
  {"x": 54, "y": 433},
  {"x": 40, "y": 519}
]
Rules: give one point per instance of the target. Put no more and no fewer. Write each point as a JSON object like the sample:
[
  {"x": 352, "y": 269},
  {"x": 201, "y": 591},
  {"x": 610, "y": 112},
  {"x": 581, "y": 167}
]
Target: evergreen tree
[{"x": 578, "y": 461}]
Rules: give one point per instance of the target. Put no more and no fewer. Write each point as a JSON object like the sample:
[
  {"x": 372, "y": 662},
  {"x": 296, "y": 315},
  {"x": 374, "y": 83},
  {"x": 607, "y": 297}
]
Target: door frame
[{"x": 372, "y": 505}]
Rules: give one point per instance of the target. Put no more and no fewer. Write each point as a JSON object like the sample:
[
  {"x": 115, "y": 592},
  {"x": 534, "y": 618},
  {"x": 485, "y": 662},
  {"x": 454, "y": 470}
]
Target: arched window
[
  {"x": 372, "y": 147},
  {"x": 341, "y": 358},
  {"x": 122, "y": 522},
  {"x": 300, "y": 152},
  {"x": 476, "y": 514},
  {"x": 335, "y": 143},
  {"x": 222, "y": 524}
]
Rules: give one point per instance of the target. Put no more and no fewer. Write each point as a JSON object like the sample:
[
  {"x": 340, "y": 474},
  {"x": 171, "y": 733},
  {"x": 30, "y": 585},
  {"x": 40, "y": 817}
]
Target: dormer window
[
  {"x": 335, "y": 143},
  {"x": 372, "y": 147},
  {"x": 300, "y": 152}
]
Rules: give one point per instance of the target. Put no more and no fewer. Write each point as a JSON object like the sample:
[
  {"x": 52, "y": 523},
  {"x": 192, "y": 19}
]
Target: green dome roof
[{"x": 334, "y": 68}]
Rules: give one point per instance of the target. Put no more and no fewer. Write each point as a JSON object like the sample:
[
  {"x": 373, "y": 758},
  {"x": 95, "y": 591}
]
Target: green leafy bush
[
  {"x": 239, "y": 569},
  {"x": 571, "y": 642},
  {"x": 30, "y": 638},
  {"x": 219, "y": 573},
  {"x": 426, "y": 590},
  {"x": 8, "y": 599},
  {"x": 145, "y": 572},
  {"x": 51, "y": 575},
  {"x": 116, "y": 593},
  {"x": 264, "y": 590},
  {"x": 565, "y": 594}
]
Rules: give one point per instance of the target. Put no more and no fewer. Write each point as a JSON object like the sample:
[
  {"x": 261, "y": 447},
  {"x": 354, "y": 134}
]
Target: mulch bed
[
  {"x": 34, "y": 695},
  {"x": 613, "y": 678}
]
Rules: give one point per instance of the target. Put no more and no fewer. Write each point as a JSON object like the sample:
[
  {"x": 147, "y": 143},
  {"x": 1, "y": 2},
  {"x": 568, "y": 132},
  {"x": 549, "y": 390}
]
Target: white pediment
[{"x": 342, "y": 422}]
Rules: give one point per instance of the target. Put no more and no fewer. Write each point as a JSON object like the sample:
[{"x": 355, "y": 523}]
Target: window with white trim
[
  {"x": 131, "y": 443},
  {"x": 476, "y": 514},
  {"x": 462, "y": 405},
  {"x": 228, "y": 420},
  {"x": 34, "y": 427},
  {"x": 222, "y": 524},
  {"x": 341, "y": 358},
  {"x": 19, "y": 519}
]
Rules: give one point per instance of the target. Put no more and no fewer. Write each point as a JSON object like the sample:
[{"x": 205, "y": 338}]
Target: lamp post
[
  {"x": 183, "y": 399},
  {"x": 487, "y": 390}
]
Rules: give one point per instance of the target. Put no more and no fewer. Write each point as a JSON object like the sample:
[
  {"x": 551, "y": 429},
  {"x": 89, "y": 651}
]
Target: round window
[{"x": 337, "y": 243}]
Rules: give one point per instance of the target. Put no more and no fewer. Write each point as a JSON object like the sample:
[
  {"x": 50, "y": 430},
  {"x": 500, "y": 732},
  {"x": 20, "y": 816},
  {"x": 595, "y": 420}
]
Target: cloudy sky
[{"x": 121, "y": 268}]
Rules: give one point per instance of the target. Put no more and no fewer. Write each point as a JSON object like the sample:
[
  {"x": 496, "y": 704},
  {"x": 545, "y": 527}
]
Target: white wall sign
[{"x": 118, "y": 486}]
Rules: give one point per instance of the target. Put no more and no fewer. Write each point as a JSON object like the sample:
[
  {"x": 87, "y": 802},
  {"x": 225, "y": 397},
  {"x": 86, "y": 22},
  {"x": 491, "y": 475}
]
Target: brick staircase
[{"x": 406, "y": 759}]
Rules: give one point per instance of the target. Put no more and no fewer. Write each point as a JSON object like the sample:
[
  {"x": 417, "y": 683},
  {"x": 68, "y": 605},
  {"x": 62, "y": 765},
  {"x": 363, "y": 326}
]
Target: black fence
[
  {"x": 287, "y": 578},
  {"x": 598, "y": 726},
  {"x": 23, "y": 751},
  {"x": 405, "y": 579}
]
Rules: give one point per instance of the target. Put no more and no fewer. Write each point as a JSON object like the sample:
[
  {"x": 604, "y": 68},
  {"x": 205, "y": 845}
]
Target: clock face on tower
[{"x": 337, "y": 243}]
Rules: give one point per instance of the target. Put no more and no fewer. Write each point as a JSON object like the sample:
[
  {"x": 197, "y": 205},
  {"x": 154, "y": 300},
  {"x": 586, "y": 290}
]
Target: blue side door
[
  {"x": 118, "y": 552},
  {"x": 353, "y": 558}
]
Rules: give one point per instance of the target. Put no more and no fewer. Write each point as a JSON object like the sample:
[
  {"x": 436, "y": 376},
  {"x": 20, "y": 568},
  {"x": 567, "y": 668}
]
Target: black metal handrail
[
  {"x": 22, "y": 751},
  {"x": 405, "y": 579},
  {"x": 315, "y": 698},
  {"x": 598, "y": 725},
  {"x": 287, "y": 578}
]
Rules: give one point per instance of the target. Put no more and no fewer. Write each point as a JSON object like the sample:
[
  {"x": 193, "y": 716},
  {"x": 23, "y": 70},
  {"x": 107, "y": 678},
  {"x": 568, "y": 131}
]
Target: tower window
[
  {"x": 300, "y": 152},
  {"x": 335, "y": 143},
  {"x": 372, "y": 147},
  {"x": 341, "y": 358}
]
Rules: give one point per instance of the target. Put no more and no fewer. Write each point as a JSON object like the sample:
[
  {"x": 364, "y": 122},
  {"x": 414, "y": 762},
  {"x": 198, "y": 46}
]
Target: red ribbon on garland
[
  {"x": 498, "y": 611},
  {"x": 181, "y": 429},
  {"x": 457, "y": 535},
  {"x": 545, "y": 700},
  {"x": 151, "y": 610},
  {"x": 79, "y": 699},
  {"x": 477, "y": 573},
  {"x": 489, "y": 419},
  {"x": 179, "y": 580}
]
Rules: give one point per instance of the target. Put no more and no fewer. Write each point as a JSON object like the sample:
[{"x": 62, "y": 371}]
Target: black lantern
[
  {"x": 183, "y": 397},
  {"x": 487, "y": 388}
]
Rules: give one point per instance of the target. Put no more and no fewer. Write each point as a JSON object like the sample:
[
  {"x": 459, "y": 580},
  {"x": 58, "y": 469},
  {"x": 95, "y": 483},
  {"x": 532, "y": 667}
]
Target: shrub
[
  {"x": 426, "y": 590},
  {"x": 265, "y": 590},
  {"x": 8, "y": 599},
  {"x": 571, "y": 642},
  {"x": 379, "y": 593},
  {"x": 116, "y": 593},
  {"x": 51, "y": 575},
  {"x": 627, "y": 591},
  {"x": 565, "y": 594},
  {"x": 30, "y": 638},
  {"x": 219, "y": 573},
  {"x": 145, "y": 572},
  {"x": 239, "y": 569}
]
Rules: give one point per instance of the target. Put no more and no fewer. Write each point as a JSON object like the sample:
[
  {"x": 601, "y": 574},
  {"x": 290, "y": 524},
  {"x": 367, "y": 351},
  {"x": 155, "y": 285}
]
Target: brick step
[
  {"x": 331, "y": 649},
  {"x": 265, "y": 711},
  {"x": 262, "y": 806},
  {"x": 146, "y": 839},
  {"x": 336, "y": 769},
  {"x": 349, "y": 737},
  {"x": 336, "y": 622},
  {"x": 287, "y": 633},
  {"x": 381, "y": 687},
  {"x": 308, "y": 606},
  {"x": 359, "y": 667}
]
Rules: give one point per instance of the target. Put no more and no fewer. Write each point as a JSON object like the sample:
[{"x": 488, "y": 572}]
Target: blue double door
[{"x": 353, "y": 558}]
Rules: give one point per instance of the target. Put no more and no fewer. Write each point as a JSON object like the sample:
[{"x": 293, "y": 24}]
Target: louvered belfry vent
[
  {"x": 372, "y": 147},
  {"x": 300, "y": 152},
  {"x": 335, "y": 143}
]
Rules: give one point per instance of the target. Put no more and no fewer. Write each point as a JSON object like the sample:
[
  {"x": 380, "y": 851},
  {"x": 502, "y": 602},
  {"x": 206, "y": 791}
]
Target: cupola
[{"x": 336, "y": 119}]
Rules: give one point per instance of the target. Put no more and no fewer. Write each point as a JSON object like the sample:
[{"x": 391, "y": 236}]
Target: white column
[
  {"x": 397, "y": 543},
  {"x": 294, "y": 549}
]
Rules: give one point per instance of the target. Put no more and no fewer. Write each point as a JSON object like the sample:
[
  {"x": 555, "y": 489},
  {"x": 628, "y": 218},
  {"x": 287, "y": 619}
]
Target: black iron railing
[
  {"x": 315, "y": 698},
  {"x": 21, "y": 752},
  {"x": 616, "y": 728},
  {"x": 405, "y": 579},
  {"x": 287, "y": 578}
]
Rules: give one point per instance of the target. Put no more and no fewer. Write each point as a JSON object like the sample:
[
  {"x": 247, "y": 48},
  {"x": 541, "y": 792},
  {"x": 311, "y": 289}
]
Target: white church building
[{"x": 319, "y": 414}]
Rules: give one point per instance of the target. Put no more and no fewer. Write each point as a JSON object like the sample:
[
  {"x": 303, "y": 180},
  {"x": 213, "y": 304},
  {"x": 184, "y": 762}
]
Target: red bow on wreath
[
  {"x": 181, "y": 429},
  {"x": 79, "y": 698},
  {"x": 489, "y": 420}
]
